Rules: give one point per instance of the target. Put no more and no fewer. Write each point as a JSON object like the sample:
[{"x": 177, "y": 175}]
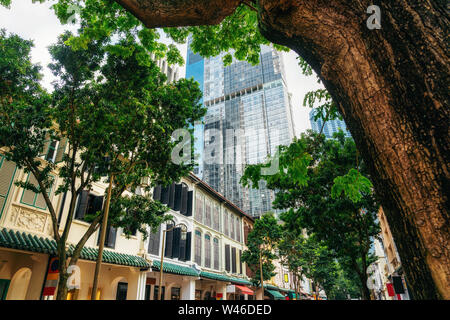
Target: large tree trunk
[{"x": 391, "y": 86}]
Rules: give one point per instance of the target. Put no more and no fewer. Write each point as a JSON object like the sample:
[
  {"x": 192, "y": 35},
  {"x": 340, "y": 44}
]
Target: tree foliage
[
  {"x": 261, "y": 245},
  {"x": 113, "y": 114},
  {"x": 346, "y": 221}
]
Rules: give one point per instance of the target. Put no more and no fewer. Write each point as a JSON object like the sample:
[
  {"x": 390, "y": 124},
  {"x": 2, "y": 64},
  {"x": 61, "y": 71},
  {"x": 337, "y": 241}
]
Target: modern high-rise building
[
  {"x": 249, "y": 115},
  {"x": 330, "y": 127}
]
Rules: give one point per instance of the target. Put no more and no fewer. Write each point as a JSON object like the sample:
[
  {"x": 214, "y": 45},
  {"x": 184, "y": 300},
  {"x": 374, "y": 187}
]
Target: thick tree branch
[{"x": 176, "y": 13}]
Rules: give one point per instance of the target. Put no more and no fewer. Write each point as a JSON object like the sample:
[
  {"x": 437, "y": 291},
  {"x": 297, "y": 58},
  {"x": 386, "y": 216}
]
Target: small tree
[
  {"x": 261, "y": 243},
  {"x": 116, "y": 114}
]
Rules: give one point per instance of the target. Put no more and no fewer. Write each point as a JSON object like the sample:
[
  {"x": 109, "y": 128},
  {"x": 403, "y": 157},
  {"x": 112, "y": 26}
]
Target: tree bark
[{"x": 391, "y": 86}]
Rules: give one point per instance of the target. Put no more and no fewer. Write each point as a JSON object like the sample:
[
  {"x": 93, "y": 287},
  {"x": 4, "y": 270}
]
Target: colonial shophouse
[{"x": 202, "y": 247}]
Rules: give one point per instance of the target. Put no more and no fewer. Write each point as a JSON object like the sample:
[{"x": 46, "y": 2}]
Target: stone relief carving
[{"x": 28, "y": 219}]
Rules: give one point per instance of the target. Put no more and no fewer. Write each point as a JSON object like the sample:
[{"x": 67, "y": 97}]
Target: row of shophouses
[
  {"x": 202, "y": 254},
  {"x": 388, "y": 279}
]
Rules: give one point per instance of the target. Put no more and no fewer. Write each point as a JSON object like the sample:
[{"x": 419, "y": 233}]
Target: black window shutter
[
  {"x": 171, "y": 196},
  {"x": 153, "y": 243},
  {"x": 190, "y": 199},
  {"x": 182, "y": 253},
  {"x": 177, "y": 200},
  {"x": 227, "y": 257},
  {"x": 398, "y": 285},
  {"x": 165, "y": 195},
  {"x": 157, "y": 193},
  {"x": 187, "y": 256},
  {"x": 240, "y": 262},
  {"x": 233, "y": 260},
  {"x": 176, "y": 243},
  {"x": 96, "y": 204},
  {"x": 169, "y": 238},
  {"x": 111, "y": 239},
  {"x": 82, "y": 205},
  {"x": 184, "y": 200}
]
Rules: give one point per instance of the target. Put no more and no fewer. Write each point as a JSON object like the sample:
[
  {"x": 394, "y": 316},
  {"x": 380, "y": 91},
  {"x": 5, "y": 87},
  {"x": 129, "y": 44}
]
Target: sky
[{"x": 37, "y": 22}]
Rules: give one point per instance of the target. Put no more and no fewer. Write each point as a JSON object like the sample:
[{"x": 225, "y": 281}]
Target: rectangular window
[
  {"x": 7, "y": 171},
  {"x": 225, "y": 222},
  {"x": 216, "y": 254},
  {"x": 153, "y": 243},
  {"x": 156, "y": 291},
  {"x": 233, "y": 260},
  {"x": 232, "y": 226},
  {"x": 198, "y": 247},
  {"x": 207, "y": 251},
  {"x": 122, "y": 288},
  {"x": 88, "y": 204},
  {"x": 199, "y": 208},
  {"x": 238, "y": 230},
  {"x": 32, "y": 198},
  {"x": 208, "y": 213},
  {"x": 227, "y": 258}
]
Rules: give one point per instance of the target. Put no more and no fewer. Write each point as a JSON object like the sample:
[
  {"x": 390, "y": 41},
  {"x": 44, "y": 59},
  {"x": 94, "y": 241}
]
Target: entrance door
[
  {"x": 122, "y": 288},
  {"x": 4, "y": 285}
]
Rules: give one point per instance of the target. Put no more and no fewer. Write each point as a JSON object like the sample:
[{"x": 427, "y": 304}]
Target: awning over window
[
  {"x": 275, "y": 294},
  {"x": 244, "y": 290}
]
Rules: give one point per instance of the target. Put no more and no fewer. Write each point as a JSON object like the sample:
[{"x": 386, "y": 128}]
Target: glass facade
[
  {"x": 330, "y": 127},
  {"x": 195, "y": 69},
  {"x": 249, "y": 115}
]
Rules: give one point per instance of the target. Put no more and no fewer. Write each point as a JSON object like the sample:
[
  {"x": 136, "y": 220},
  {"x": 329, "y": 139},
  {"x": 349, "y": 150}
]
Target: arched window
[
  {"x": 216, "y": 217},
  {"x": 216, "y": 254},
  {"x": 238, "y": 229},
  {"x": 198, "y": 247},
  {"x": 208, "y": 213},
  {"x": 207, "y": 251},
  {"x": 199, "y": 207},
  {"x": 225, "y": 223},
  {"x": 232, "y": 234}
]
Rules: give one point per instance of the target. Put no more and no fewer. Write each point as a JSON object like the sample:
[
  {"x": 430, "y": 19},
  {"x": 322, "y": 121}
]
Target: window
[
  {"x": 238, "y": 230},
  {"x": 216, "y": 254},
  {"x": 54, "y": 150},
  {"x": 227, "y": 258},
  {"x": 122, "y": 288},
  {"x": 199, "y": 207},
  {"x": 153, "y": 243},
  {"x": 225, "y": 222},
  {"x": 110, "y": 238},
  {"x": 175, "y": 293},
  {"x": 216, "y": 218},
  {"x": 208, "y": 213},
  {"x": 156, "y": 291},
  {"x": 207, "y": 251},
  {"x": 7, "y": 171},
  {"x": 198, "y": 247},
  {"x": 233, "y": 260},
  {"x": 232, "y": 226},
  {"x": 51, "y": 151},
  {"x": 88, "y": 204},
  {"x": 32, "y": 198}
]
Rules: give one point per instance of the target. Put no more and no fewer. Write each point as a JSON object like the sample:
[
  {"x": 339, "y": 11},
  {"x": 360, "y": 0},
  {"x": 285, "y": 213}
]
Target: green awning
[
  {"x": 275, "y": 294},
  {"x": 175, "y": 269},
  {"x": 214, "y": 276},
  {"x": 28, "y": 242},
  {"x": 240, "y": 281},
  {"x": 223, "y": 277}
]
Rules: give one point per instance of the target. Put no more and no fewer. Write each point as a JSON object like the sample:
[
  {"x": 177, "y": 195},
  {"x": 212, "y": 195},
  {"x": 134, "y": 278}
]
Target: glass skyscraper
[
  {"x": 330, "y": 127},
  {"x": 249, "y": 115}
]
